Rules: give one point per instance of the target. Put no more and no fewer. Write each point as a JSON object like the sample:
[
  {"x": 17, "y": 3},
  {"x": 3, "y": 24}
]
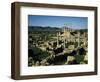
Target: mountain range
[{"x": 48, "y": 29}]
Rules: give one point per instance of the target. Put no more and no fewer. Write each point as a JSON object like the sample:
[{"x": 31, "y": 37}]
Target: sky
[{"x": 58, "y": 21}]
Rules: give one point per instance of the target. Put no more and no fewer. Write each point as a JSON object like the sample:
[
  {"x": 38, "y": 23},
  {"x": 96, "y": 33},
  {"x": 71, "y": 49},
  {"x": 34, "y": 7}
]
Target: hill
[{"x": 40, "y": 28}]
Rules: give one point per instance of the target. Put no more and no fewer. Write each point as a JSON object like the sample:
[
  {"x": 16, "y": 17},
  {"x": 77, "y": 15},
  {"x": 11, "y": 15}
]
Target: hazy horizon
[{"x": 58, "y": 21}]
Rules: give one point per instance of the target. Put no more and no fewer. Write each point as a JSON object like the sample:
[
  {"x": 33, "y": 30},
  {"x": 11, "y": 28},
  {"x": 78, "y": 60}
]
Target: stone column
[
  {"x": 57, "y": 39},
  {"x": 78, "y": 39}
]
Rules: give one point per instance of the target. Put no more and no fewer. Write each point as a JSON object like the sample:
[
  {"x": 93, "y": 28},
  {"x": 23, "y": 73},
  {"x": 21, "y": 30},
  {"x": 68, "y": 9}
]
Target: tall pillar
[
  {"x": 78, "y": 39},
  {"x": 57, "y": 39},
  {"x": 64, "y": 43}
]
